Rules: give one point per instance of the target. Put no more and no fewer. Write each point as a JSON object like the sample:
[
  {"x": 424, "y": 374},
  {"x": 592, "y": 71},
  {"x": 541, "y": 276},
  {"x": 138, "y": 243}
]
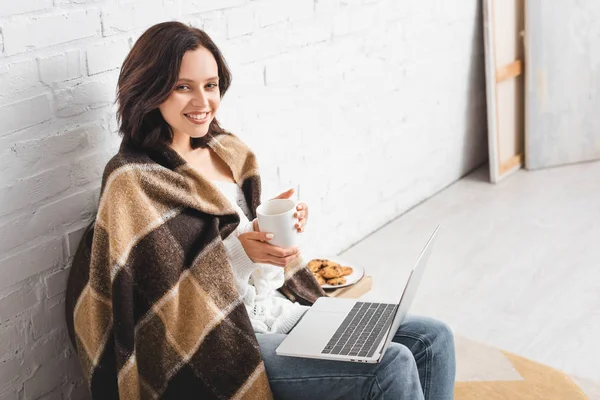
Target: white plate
[{"x": 355, "y": 276}]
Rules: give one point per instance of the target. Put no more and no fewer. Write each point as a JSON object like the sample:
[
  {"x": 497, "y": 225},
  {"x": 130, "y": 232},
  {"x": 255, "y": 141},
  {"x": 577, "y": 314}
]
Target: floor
[{"x": 516, "y": 265}]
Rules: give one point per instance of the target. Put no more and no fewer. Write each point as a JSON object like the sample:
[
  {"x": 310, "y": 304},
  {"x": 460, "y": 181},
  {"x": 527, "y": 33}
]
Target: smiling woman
[
  {"x": 160, "y": 299},
  {"x": 174, "y": 291}
]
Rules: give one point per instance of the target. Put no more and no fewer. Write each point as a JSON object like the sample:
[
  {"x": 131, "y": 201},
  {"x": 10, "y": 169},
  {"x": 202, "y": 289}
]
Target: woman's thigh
[{"x": 293, "y": 378}]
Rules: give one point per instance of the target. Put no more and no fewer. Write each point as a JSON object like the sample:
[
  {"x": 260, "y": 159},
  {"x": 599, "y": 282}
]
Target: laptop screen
[{"x": 410, "y": 290}]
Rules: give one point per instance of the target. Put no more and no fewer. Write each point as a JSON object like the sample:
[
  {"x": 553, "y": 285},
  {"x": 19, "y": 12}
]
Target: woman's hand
[
  {"x": 301, "y": 210},
  {"x": 260, "y": 251}
]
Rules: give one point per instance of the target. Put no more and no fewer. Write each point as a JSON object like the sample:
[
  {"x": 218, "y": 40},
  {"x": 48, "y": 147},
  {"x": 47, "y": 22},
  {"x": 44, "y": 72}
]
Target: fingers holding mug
[
  {"x": 279, "y": 216},
  {"x": 302, "y": 215}
]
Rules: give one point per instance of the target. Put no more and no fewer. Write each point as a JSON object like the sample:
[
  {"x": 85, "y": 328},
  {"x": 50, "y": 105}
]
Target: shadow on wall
[{"x": 476, "y": 110}]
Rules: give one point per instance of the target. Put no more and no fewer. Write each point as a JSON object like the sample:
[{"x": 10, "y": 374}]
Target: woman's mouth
[{"x": 198, "y": 118}]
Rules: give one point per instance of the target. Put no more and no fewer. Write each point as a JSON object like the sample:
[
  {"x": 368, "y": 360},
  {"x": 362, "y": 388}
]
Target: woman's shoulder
[
  {"x": 123, "y": 159},
  {"x": 131, "y": 175},
  {"x": 230, "y": 143},
  {"x": 228, "y": 138},
  {"x": 132, "y": 165}
]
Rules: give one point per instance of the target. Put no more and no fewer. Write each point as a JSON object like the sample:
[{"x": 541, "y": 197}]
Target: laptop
[{"x": 351, "y": 330}]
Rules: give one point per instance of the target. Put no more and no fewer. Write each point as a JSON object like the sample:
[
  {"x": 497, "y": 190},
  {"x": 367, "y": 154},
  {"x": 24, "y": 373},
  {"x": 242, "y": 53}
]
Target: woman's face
[{"x": 193, "y": 103}]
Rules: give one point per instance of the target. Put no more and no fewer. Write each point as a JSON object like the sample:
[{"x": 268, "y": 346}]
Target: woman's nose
[{"x": 200, "y": 100}]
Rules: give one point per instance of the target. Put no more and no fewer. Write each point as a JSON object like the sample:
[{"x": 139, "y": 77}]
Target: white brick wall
[
  {"x": 16, "y": 77},
  {"x": 106, "y": 56},
  {"x": 25, "y": 113},
  {"x": 61, "y": 67},
  {"x": 25, "y": 33},
  {"x": 367, "y": 107},
  {"x": 10, "y": 8}
]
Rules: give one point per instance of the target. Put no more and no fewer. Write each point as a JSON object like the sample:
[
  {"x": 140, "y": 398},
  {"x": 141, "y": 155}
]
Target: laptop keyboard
[{"x": 361, "y": 331}]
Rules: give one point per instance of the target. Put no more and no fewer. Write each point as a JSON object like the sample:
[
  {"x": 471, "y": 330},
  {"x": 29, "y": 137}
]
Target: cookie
[
  {"x": 320, "y": 279},
  {"x": 346, "y": 271},
  {"x": 336, "y": 281},
  {"x": 329, "y": 272},
  {"x": 328, "y": 263},
  {"x": 315, "y": 265}
]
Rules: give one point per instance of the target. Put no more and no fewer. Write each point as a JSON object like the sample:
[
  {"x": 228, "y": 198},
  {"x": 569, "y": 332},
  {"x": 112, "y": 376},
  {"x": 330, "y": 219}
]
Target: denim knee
[
  {"x": 442, "y": 337},
  {"x": 400, "y": 355},
  {"x": 444, "y": 363},
  {"x": 398, "y": 377}
]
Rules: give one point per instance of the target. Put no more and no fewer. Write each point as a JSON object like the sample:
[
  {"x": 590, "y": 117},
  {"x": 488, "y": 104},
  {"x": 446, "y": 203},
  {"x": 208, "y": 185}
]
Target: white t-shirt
[{"x": 269, "y": 310}]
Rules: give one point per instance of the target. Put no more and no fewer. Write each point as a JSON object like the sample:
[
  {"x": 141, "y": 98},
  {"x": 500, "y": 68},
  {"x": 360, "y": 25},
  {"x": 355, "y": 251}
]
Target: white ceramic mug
[{"x": 277, "y": 217}]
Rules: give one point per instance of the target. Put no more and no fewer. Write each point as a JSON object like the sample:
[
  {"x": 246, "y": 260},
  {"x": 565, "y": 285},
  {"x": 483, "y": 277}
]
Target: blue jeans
[{"x": 418, "y": 364}]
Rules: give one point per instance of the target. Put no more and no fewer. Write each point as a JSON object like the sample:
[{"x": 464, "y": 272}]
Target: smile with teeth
[{"x": 197, "y": 116}]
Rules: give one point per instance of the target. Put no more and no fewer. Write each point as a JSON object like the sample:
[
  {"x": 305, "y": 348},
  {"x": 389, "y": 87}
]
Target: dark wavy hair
[{"x": 149, "y": 74}]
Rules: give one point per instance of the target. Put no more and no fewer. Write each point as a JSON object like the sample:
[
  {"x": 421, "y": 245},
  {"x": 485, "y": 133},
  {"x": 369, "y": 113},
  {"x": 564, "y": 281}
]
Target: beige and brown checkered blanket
[{"x": 152, "y": 307}]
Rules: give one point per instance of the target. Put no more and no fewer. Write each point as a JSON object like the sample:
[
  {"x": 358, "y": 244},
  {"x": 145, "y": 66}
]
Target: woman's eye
[
  {"x": 212, "y": 85},
  {"x": 182, "y": 87}
]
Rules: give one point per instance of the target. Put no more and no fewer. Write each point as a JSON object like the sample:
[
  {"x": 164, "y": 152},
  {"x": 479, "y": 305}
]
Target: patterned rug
[{"x": 484, "y": 372}]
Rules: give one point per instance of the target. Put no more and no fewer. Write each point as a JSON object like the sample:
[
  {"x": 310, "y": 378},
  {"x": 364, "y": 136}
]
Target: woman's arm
[{"x": 241, "y": 265}]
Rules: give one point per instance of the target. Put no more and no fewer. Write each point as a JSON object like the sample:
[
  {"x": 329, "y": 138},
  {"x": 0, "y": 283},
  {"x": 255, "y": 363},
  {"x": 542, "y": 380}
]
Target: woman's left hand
[{"x": 301, "y": 210}]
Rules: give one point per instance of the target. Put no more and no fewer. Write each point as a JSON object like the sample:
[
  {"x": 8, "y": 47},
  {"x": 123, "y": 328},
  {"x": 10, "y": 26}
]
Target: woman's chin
[{"x": 198, "y": 133}]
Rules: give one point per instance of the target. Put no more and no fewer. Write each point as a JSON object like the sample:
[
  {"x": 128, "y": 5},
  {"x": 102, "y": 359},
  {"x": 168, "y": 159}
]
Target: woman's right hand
[{"x": 260, "y": 251}]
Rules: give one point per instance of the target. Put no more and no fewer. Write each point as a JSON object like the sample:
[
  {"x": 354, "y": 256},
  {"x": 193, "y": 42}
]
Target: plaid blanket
[{"x": 152, "y": 307}]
